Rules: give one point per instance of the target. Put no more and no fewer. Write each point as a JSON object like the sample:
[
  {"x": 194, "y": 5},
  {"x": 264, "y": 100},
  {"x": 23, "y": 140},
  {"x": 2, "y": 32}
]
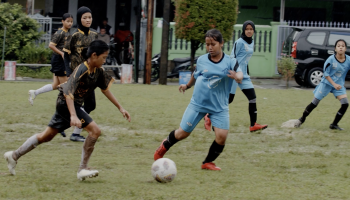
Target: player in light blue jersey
[
  {"x": 243, "y": 51},
  {"x": 335, "y": 69},
  {"x": 214, "y": 75}
]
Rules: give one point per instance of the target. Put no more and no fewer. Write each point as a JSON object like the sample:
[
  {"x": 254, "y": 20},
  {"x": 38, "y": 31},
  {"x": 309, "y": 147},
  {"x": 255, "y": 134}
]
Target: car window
[
  {"x": 316, "y": 38},
  {"x": 334, "y": 36}
]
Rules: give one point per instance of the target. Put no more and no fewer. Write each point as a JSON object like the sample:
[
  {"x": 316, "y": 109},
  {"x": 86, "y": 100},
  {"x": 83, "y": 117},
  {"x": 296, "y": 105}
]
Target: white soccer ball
[{"x": 164, "y": 170}]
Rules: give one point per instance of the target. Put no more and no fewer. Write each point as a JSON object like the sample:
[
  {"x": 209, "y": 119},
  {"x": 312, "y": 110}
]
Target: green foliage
[
  {"x": 42, "y": 72},
  {"x": 21, "y": 30},
  {"x": 195, "y": 17},
  {"x": 31, "y": 53},
  {"x": 286, "y": 67}
]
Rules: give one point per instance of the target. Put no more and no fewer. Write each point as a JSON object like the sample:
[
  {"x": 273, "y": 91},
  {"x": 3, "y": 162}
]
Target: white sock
[
  {"x": 45, "y": 88},
  {"x": 77, "y": 130}
]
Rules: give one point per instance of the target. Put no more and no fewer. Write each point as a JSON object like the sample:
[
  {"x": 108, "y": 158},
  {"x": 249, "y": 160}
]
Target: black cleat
[
  {"x": 332, "y": 126},
  {"x": 63, "y": 134}
]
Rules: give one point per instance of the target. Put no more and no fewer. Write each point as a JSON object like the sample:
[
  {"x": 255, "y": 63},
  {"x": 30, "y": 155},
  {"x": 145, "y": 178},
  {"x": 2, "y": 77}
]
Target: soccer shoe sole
[
  {"x": 11, "y": 163},
  {"x": 89, "y": 174},
  {"x": 260, "y": 129}
]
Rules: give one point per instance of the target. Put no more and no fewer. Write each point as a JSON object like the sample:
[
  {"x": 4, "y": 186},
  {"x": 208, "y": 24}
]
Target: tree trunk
[
  {"x": 165, "y": 41},
  {"x": 194, "y": 47}
]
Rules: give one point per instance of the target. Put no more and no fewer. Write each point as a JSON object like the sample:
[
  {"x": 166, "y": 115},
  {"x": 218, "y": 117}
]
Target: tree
[
  {"x": 21, "y": 30},
  {"x": 195, "y": 17}
]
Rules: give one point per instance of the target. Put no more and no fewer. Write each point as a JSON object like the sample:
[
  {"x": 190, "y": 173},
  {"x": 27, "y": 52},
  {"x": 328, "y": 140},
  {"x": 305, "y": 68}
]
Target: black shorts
[
  {"x": 61, "y": 119},
  {"x": 57, "y": 65}
]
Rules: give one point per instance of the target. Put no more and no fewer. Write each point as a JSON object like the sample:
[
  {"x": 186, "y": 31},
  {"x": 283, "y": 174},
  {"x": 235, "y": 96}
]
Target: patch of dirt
[{"x": 289, "y": 123}]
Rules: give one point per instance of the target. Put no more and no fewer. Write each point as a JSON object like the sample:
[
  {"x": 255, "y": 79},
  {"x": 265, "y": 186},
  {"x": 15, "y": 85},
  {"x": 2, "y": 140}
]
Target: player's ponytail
[{"x": 97, "y": 46}]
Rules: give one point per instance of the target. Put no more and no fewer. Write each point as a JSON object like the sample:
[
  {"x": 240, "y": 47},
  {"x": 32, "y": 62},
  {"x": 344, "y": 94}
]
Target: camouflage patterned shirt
[
  {"x": 75, "y": 44},
  {"x": 82, "y": 83},
  {"x": 59, "y": 38}
]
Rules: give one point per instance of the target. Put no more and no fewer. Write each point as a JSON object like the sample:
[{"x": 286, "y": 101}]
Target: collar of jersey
[
  {"x": 82, "y": 32},
  {"x": 86, "y": 64}
]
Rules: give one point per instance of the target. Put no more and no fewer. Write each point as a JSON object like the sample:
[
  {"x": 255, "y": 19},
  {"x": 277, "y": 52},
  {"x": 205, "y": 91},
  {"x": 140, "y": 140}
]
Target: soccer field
[{"x": 311, "y": 162}]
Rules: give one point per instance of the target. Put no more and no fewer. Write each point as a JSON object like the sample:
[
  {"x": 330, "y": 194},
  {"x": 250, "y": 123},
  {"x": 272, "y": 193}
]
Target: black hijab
[
  {"x": 249, "y": 40},
  {"x": 82, "y": 10}
]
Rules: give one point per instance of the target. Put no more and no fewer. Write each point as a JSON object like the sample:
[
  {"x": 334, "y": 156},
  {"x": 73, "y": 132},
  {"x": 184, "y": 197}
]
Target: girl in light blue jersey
[
  {"x": 214, "y": 75},
  {"x": 243, "y": 51},
  {"x": 335, "y": 69}
]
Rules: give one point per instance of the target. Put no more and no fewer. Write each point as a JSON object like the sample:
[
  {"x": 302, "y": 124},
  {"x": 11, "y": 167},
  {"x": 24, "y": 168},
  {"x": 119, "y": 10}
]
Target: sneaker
[
  {"x": 63, "y": 134},
  {"x": 298, "y": 123},
  {"x": 160, "y": 151},
  {"x": 86, "y": 173},
  {"x": 335, "y": 127},
  {"x": 210, "y": 166},
  {"x": 257, "y": 127},
  {"x": 31, "y": 96},
  {"x": 11, "y": 163},
  {"x": 77, "y": 138},
  {"x": 207, "y": 122}
]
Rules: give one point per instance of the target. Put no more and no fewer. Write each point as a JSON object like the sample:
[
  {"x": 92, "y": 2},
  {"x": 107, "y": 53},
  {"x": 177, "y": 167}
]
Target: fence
[
  {"x": 45, "y": 26},
  {"x": 318, "y": 24}
]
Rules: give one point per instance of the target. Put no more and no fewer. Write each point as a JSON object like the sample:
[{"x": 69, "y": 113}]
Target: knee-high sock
[
  {"x": 340, "y": 113},
  {"x": 88, "y": 148},
  {"x": 214, "y": 152},
  {"x": 27, "y": 146},
  {"x": 45, "y": 88},
  {"x": 252, "y": 113},
  {"x": 307, "y": 111},
  {"x": 170, "y": 141}
]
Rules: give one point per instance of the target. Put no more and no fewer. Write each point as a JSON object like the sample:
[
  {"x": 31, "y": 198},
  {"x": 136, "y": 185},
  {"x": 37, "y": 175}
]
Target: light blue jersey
[
  {"x": 213, "y": 86},
  {"x": 242, "y": 51},
  {"x": 336, "y": 70}
]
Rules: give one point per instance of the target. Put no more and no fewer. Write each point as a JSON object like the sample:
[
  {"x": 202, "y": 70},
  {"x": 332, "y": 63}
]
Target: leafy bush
[
  {"x": 34, "y": 54},
  {"x": 43, "y": 72},
  {"x": 195, "y": 17},
  {"x": 286, "y": 67},
  {"x": 21, "y": 30}
]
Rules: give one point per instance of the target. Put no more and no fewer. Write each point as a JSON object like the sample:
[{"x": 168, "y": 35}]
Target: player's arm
[
  {"x": 326, "y": 73},
  {"x": 112, "y": 98},
  {"x": 184, "y": 87},
  {"x": 236, "y": 73},
  {"x": 74, "y": 120},
  {"x": 55, "y": 40}
]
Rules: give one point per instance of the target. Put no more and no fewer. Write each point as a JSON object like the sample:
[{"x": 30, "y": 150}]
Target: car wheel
[
  {"x": 299, "y": 80},
  {"x": 315, "y": 76}
]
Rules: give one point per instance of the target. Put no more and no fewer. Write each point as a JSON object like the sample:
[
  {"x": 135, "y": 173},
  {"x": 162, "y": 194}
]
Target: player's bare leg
[
  {"x": 32, "y": 142},
  {"x": 88, "y": 148}
]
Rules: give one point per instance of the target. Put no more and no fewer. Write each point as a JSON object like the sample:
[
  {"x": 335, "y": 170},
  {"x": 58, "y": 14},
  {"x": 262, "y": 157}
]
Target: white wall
[
  {"x": 72, "y": 9},
  {"x": 111, "y": 7}
]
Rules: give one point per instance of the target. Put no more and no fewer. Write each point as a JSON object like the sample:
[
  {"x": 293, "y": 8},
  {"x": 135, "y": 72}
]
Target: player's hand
[
  {"x": 233, "y": 75},
  {"x": 337, "y": 86},
  {"x": 62, "y": 54},
  {"x": 125, "y": 114},
  {"x": 74, "y": 121},
  {"x": 182, "y": 88}
]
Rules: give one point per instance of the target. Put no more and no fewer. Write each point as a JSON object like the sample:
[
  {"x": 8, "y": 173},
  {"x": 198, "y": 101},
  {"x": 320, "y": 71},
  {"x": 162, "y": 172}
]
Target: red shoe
[
  {"x": 160, "y": 151},
  {"x": 257, "y": 127},
  {"x": 207, "y": 122},
  {"x": 210, "y": 166}
]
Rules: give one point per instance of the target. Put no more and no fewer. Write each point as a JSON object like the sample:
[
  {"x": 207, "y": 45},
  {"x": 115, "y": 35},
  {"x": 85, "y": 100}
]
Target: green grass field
[{"x": 312, "y": 162}]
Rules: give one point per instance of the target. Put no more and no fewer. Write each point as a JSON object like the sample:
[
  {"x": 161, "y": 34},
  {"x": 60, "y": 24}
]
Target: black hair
[
  {"x": 105, "y": 19},
  {"x": 215, "y": 34},
  {"x": 340, "y": 40},
  {"x": 66, "y": 15},
  {"x": 97, "y": 46}
]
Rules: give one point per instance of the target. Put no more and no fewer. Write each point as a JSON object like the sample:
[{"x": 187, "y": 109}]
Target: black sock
[
  {"x": 214, "y": 152},
  {"x": 307, "y": 111},
  {"x": 231, "y": 97},
  {"x": 252, "y": 113},
  {"x": 171, "y": 140},
  {"x": 340, "y": 113}
]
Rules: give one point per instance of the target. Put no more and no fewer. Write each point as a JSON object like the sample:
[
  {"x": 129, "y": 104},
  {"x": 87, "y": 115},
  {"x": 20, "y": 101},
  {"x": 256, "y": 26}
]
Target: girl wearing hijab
[
  {"x": 243, "y": 51},
  {"x": 79, "y": 39}
]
